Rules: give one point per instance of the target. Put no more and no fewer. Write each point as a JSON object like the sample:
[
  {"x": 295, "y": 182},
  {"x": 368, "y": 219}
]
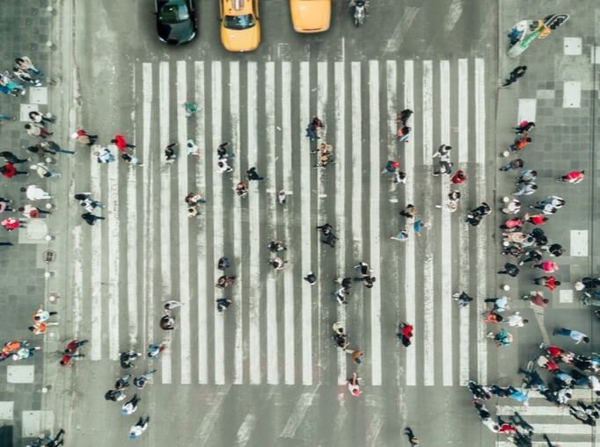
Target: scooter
[{"x": 360, "y": 11}]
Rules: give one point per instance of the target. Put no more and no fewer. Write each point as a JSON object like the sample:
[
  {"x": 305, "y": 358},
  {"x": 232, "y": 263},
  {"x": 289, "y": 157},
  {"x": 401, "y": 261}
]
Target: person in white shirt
[
  {"x": 32, "y": 212},
  {"x": 140, "y": 427},
  {"x": 36, "y": 193},
  {"x": 516, "y": 320}
]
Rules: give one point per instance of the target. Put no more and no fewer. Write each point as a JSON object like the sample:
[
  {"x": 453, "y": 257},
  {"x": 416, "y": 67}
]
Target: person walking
[
  {"x": 516, "y": 320},
  {"x": 73, "y": 347},
  {"x": 515, "y": 164},
  {"x": 514, "y": 76},
  {"x": 527, "y": 176},
  {"x": 82, "y": 137},
  {"x": 575, "y": 335},
  {"x": 510, "y": 270},
  {"x": 25, "y": 63},
  {"x": 91, "y": 218},
  {"x": 253, "y": 175},
  {"x": 547, "y": 266},
  {"x": 223, "y": 304},
  {"x": 44, "y": 171},
  {"x": 526, "y": 189},
  {"x": 500, "y": 304},
  {"x": 12, "y": 158},
  {"x": 37, "y": 130},
  {"x": 139, "y": 427},
  {"x": 50, "y": 147},
  {"x": 536, "y": 219},
  {"x": 9, "y": 171},
  {"x": 412, "y": 439},
  {"x": 104, "y": 155},
  {"x": 42, "y": 315},
  {"x": 131, "y": 161},
  {"x": 311, "y": 278},
  {"x": 170, "y": 155},
  {"x": 41, "y": 118},
  {"x": 390, "y": 167},
  {"x": 410, "y": 211},
  {"x": 550, "y": 282},
  {"x": 11, "y": 224},
  {"x": 155, "y": 349},
  {"x": 462, "y": 298},
  {"x": 572, "y": 177},
  {"x": 34, "y": 192},
  {"x": 282, "y": 197},
  {"x": 122, "y": 144},
  {"x": 459, "y": 178}
]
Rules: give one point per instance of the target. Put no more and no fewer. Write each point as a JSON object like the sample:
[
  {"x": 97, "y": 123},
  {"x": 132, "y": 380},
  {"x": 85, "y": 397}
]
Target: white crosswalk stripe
[{"x": 277, "y": 330}]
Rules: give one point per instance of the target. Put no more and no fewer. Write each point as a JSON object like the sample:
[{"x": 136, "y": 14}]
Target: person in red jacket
[
  {"x": 572, "y": 177},
  {"x": 9, "y": 170},
  {"x": 547, "y": 266},
  {"x": 121, "y": 143},
  {"x": 549, "y": 282},
  {"x": 459, "y": 177},
  {"x": 536, "y": 219},
  {"x": 11, "y": 224}
]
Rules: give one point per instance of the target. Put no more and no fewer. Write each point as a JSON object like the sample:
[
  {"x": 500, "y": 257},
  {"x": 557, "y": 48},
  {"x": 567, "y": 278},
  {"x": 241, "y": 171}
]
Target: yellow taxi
[
  {"x": 240, "y": 25},
  {"x": 310, "y": 16}
]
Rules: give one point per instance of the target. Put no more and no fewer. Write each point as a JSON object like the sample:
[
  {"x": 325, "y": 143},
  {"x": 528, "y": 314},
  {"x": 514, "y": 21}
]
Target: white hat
[{"x": 74, "y": 135}]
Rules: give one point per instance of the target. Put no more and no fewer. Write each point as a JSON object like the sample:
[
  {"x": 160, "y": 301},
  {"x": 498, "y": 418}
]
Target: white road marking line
[
  {"x": 340, "y": 200},
  {"x": 217, "y": 214},
  {"x": 184, "y": 236},
  {"x": 446, "y": 236},
  {"x": 255, "y": 292},
  {"x": 463, "y": 230},
  {"x": 201, "y": 173},
  {"x": 97, "y": 288},
  {"x": 289, "y": 280},
  {"x": 296, "y": 418},
  {"x": 481, "y": 231},
  {"x": 207, "y": 426},
  {"x": 374, "y": 225},
  {"x": 148, "y": 250},
  {"x": 428, "y": 289},
  {"x": 454, "y": 12},
  {"x": 410, "y": 266},
  {"x": 165, "y": 202},
  {"x": 238, "y": 228},
  {"x": 245, "y": 430},
  {"x": 113, "y": 225},
  {"x": 307, "y": 360},
  {"x": 271, "y": 295}
]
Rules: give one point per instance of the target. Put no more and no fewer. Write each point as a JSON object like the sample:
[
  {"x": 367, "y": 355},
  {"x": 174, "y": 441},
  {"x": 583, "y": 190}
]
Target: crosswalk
[
  {"x": 552, "y": 420},
  {"x": 277, "y": 331}
]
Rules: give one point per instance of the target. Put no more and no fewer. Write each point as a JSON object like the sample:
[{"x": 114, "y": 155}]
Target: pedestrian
[
  {"x": 462, "y": 298},
  {"x": 444, "y": 165},
  {"x": 225, "y": 281},
  {"x": 131, "y": 161},
  {"x": 276, "y": 246},
  {"x": 502, "y": 339},
  {"x": 10, "y": 87},
  {"x": 368, "y": 281},
  {"x": 459, "y": 178},
  {"x": 516, "y": 320},
  {"x": 44, "y": 171},
  {"x": 340, "y": 295},
  {"x": 37, "y": 130},
  {"x": 554, "y": 201},
  {"x": 412, "y": 439},
  {"x": 82, "y": 137},
  {"x": 556, "y": 250},
  {"x": 223, "y": 303},
  {"x": 6, "y": 118},
  {"x": 131, "y": 406},
  {"x": 12, "y": 158},
  {"x": 191, "y": 108},
  {"x": 49, "y": 147},
  {"x": 520, "y": 143},
  {"x": 56, "y": 441},
  {"x": 500, "y": 304},
  {"x": 9, "y": 171},
  {"x": 194, "y": 198},
  {"x": 515, "y": 164},
  {"x": 550, "y": 282},
  {"x": 311, "y": 278},
  {"x": 223, "y": 166},
  {"x": 533, "y": 255},
  {"x": 537, "y": 299},
  {"x": 36, "y": 193},
  {"x": 4, "y": 205},
  {"x": 222, "y": 151},
  {"x": 24, "y": 76},
  {"x": 223, "y": 263},
  {"x": 170, "y": 153},
  {"x": 277, "y": 263},
  {"x": 25, "y": 63},
  {"x": 10, "y": 223},
  {"x": 575, "y": 335},
  {"x": 515, "y": 75},
  {"x": 346, "y": 283},
  {"x": 527, "y": 176},
  {"x": 312, "y": 130},
  {"x": 513, "y": 206},
  {"x": 91, "y": 218},
  {"x": 401, "y": 236},
  {"x": 192, "y": 148},
  {"x": 43, "y": 315},
  {"x": 536, "y": 219},
  {"x": 155, "y": 349},
  {"x": 25, "y": 352},
  {"x": 253, "y": 175},
  {"x": 572, "y": 177},
  {"x": 403, "y": 116},
  {"x": 390, "y": 167},
  {"x": 399, "y": 177},
  {"x": 241, "y": 189},
  {"x": 451, "y": 205},
  {"x": 73, "y": 346},
  {"x": 419, "y": 226},
  {"x": 510, "y": 270},
  {"x": 139, "y": 428},
  {"x": 122, "y": 144},
  {"x": 547, "y": 266},
  {"x": 41, "y": 118},
  {"x": 525, "y": 126},
  {"x": 171, "y": 304},
  {"x": 410, "y": 211},
  {"x": 167, "y": 322},
  {"x": 39, "y": 328},
  {"x": 526, "y": 190},
  {"x": 282, "y": 197},
  {"x": 356, "y": 355},
  {"x": 86, "y": 201}
]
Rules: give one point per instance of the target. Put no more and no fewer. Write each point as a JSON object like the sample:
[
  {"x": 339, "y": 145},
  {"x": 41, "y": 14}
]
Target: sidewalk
[
  {"x": 27, "y": 29},
  {"x": 559, "y": 94}
]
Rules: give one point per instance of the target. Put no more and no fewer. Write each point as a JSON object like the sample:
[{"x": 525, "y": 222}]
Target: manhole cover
[{"x": 49, "y": 256}]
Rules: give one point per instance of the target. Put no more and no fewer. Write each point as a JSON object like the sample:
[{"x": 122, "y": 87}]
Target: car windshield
[
  {"x": 171, "y": 13},
  {"x": 239, "y": 22}
]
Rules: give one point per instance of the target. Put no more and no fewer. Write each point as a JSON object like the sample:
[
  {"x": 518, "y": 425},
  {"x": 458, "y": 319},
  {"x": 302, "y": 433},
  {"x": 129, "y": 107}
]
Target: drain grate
[{"x": 49, "y": 256}]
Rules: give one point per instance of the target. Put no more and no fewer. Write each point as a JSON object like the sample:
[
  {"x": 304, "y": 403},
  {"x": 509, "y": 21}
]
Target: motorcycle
[{"x": 359, "y": 11}]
